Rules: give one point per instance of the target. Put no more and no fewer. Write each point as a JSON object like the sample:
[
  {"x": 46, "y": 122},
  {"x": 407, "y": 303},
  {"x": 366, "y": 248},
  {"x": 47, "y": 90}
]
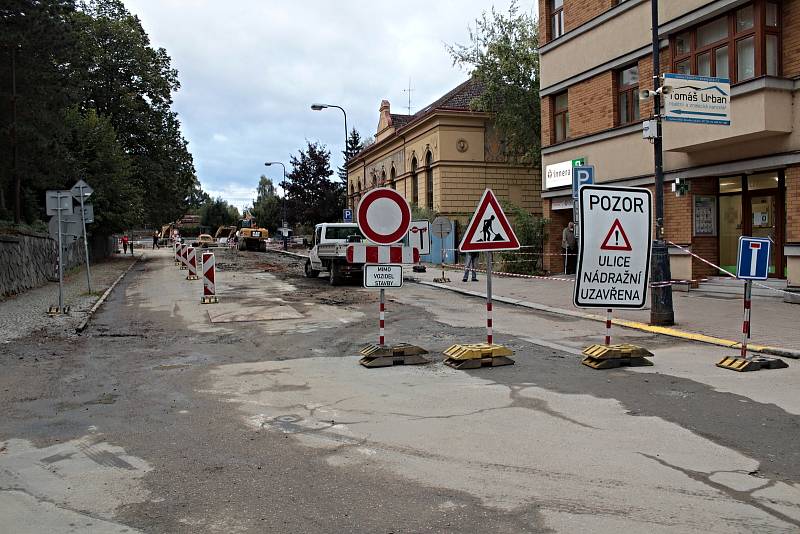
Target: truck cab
[{"x": 329, "y": 251}]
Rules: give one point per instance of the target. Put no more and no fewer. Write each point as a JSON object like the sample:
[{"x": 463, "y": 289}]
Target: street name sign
[
  {"x": 614, "y": 249},
  {"x": 384, "y": 216},
  {"x": 58, "y": 199},
  {"x": 442, "y": 227},
  {"x": 383, "y": 276},
  {"x": 697, "y": 99},
  {"x": 420, "y": 236},
  {"x": 489, "y": 229},
  {"x": 752, "y": 262}
]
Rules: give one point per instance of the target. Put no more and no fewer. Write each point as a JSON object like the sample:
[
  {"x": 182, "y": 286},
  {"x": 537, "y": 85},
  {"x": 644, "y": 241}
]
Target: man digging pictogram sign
[{"x": 495, "y": 234}]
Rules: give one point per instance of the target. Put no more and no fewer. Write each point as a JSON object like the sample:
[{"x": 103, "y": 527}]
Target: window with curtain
[
  {"x": 429, "y": 181},
  {"x": 628, "y": 95},
  {"x": 560, "y": 117},
  {"x": 414, "y": 184},
  {"x": 556, "y": 18}
]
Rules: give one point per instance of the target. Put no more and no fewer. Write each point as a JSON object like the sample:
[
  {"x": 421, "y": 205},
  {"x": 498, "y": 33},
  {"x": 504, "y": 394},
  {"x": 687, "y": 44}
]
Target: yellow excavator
[{"x": 252, "y": 236}]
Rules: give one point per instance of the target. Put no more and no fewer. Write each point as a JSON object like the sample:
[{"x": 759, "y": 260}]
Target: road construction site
[{"x": 253, "y": 415}]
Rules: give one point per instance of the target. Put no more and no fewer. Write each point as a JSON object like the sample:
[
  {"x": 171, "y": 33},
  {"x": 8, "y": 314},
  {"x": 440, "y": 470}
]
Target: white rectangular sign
[
  {"x": 697, "y": 99},
  {"x": 614, "y": 249},
  {"x": 383, "y": 276},
  {"x": 419, "y": 236},
  {"x": 560, "y": 174}
]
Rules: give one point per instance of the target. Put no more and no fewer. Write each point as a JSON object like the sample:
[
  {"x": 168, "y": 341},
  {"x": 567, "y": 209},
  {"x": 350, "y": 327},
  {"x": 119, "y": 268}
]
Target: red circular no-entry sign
[{"x": 384, "y": 216}]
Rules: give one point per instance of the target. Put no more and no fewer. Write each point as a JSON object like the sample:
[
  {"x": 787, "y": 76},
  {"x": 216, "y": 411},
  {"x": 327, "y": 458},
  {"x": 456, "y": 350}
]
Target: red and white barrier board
[
  {"x": 184, "y": 257},
  {"x": 208, "y": 269},
  {"x": 359, "y": 253},
  {"x": 192, "y": 257}
]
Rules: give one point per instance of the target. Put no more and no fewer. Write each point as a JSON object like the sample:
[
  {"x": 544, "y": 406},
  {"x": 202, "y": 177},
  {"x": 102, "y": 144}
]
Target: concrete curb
[
  {"x": 634, "y": 325},
  {"x": 83, "y": 324},
  {"x": 287, "y": 253}
]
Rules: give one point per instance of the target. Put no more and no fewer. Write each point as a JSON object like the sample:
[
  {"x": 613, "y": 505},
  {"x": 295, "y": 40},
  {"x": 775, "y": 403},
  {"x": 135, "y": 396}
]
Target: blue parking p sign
[
  {"x": 753, "y": 260},
  {"x": 347, "y": 215},
  {"x": 581, "y": 175}
]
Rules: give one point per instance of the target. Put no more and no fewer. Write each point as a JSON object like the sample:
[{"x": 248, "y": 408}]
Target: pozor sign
[{"x": 614, "y": 249}]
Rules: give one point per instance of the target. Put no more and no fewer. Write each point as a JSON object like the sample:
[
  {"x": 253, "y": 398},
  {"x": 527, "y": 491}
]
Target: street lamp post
[
  {"x": 283, "y": 204},
  {"x": 320, "y": 107},
  {"x": 661, "y": 310}
]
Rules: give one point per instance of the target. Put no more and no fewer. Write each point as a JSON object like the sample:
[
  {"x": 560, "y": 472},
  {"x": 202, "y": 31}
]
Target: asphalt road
[{"x": 253, "y": 415}]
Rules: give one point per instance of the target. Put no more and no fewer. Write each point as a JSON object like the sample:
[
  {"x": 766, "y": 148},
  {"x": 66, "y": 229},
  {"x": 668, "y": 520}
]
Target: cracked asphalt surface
[{"x": 158, "y": 419}]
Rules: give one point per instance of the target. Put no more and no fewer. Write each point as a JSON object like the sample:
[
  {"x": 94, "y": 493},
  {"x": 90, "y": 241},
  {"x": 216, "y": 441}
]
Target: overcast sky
[{"x": 249, "y": 70}]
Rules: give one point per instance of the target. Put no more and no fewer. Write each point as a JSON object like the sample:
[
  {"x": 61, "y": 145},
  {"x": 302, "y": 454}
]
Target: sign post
[
  {"x": 613, "y": 263},
  {"x": 59, "y": 203},
  {"x": 752, "y": 263},
  {"x": 488, "y": 231},
  {"x": 384, "y": 217},
  {"x": 81, "y": 191},
  {"x": 441, "y": 228}
]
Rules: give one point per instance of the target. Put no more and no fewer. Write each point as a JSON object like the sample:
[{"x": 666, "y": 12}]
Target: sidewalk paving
[
  {"x": 26, "y": 313},
  {"x": 774, "y": 322}
]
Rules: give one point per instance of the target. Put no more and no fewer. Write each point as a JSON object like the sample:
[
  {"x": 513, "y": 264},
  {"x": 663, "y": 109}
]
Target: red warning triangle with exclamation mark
[{"x": 616, "y": 238}]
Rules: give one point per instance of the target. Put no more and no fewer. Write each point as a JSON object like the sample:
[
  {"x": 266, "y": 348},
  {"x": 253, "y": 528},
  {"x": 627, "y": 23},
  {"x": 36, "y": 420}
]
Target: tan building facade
[
  {"x": 744, "y": 178},
  {"x": 442, "y": 158}
]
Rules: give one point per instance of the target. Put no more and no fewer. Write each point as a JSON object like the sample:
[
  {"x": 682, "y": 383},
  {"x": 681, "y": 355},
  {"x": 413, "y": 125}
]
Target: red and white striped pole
[
  {"x": 191, "y": 253},
  {"x": 748, "y": 290},
  {"x": 209, "y": 274},
  {"x": 608, "y": 326},
  {"x": 489, "y": 335},
  {"x": 381, "y": 321}
]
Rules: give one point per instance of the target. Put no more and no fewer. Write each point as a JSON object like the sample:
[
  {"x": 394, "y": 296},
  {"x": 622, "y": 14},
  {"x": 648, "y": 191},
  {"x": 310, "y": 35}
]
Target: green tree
[
  {"x": 267, "y": 206},
  {"x": 354, "y": 146},
  {"x": 313, "y": 197},
  {"x": 503, "y": 54},
  {"x": 531, "y": 232},
  {"x": 217, "y": 212},
  {"x": 97, "y": 157}
]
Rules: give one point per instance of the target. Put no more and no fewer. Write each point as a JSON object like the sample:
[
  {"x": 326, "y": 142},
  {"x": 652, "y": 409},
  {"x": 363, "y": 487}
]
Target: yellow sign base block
[
  {"x": 755, "y": 363},
  {"x": 184, "y": 268},
  {"x": 209, "y": 300},
  {"x": 55, "y": 310},
  {"x": 192, "y": 277},
  {"x": 613, "y": 356},
  {"x": 441, "y": 280},
  {"x": 476, "y": 355},
  {"x": 387, "y": 356}
]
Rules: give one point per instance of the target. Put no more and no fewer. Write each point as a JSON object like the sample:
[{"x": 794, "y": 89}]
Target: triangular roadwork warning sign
[
  {"x": 616, "y": 238},
  {"x": 489, "y": 228}
]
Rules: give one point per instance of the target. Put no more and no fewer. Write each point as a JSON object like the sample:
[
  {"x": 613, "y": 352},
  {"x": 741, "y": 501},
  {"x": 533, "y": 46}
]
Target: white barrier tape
[
  {"x": 458, "y": 267},
  {"x": 720, "y": 269}
]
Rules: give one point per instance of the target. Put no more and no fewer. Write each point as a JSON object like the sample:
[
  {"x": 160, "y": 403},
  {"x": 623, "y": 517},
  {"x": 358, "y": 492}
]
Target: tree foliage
[
  {"x": 95, "y": 103},
  {"x": 354, "y": 146},
  {"x": 217, "y": 212},
  {"x": 531, "y": 232},
  {"x": 503, "y": 54},
  {"x": 267, "y": 208},
  {"x": 313, "y": 198}
]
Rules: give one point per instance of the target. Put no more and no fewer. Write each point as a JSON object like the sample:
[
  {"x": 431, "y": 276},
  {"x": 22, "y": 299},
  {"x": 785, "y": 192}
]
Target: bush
[{"x": 530, "y": 231}]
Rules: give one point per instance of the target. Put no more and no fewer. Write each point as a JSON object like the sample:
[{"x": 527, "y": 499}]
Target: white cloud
[{"x": 251, "y": 69}]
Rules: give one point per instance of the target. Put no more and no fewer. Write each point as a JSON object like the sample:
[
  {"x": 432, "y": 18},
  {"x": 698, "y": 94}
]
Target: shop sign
[
  {"x": 697, "y": 99},
  {"x": 560, "y": 174}
]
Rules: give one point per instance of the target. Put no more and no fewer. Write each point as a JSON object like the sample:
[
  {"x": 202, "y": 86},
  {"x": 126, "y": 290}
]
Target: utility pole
[
  {"x": 14, "y": 173},
  {"x": 661, "y": 311}
]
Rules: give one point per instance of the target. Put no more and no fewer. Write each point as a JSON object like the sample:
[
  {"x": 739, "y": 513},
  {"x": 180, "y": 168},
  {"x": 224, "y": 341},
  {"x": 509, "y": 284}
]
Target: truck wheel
[
  {"x": 310, "y": 273},
  {"x": 242, "y": 245},
  {"x": 262, "y": 246},
  {"x": 335, "y": 275}
]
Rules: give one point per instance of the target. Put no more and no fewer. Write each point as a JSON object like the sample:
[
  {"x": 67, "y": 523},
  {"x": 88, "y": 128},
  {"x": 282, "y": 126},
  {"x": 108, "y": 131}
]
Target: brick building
[
  {"x": 442, "y": 158},
  {"x": 744, "y": 178}
]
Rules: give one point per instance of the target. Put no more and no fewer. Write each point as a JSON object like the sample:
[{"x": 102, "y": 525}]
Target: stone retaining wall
[{"x": 29, "y": 260}]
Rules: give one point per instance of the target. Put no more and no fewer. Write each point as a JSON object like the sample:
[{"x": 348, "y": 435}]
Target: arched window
[
  {"x": 374, "y": 180},
  {"x": 359, "y": 187},
  {"x": 414, "y": 185},
  {"x": 429, "y": 180},
  {"x": 383, "y": 177},
  {"x": 392, "y": 176}
]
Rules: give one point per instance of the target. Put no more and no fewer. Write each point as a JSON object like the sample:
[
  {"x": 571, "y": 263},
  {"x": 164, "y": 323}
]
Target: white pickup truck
[{"x": 329, "y": 251}]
